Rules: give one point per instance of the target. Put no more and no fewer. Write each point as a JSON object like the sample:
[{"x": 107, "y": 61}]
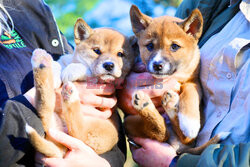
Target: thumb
[
  {"x": 66, "y": 140},
  {"x": 144, "y": 142},
  {"x": 53, "y": 162}
]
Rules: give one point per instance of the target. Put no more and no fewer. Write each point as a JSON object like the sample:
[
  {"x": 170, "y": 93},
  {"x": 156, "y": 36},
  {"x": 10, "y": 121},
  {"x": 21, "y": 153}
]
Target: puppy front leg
[
  {"x": 75, "y": 72},
  {"x": 153, "y": 124},
  {"x": 71, "y": 111},
  {"x": 184, "y": 111}
]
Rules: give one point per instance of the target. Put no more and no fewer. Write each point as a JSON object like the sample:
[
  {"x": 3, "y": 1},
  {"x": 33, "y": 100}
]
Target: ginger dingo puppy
[
  {"x": 168, "y": 47},
  {"x": 101, "y": 53}
]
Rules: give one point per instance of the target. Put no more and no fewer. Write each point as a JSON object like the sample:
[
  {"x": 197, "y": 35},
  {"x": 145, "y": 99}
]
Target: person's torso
[
  {"x": 34, "y": 27},
  {"x": 225, "y": 78}
]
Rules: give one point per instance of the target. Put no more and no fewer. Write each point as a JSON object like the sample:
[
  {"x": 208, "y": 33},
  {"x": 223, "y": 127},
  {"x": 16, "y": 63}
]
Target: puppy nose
[
  {"x": 108, "y": 66},
  {"x": 158, "y": 66}
]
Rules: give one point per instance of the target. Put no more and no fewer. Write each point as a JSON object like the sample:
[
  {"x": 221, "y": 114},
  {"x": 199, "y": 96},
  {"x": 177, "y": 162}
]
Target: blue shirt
[{"x": 225, "y": 78}]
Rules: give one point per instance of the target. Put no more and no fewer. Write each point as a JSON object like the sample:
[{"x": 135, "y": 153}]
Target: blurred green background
[{"x": 106, "y": 13}]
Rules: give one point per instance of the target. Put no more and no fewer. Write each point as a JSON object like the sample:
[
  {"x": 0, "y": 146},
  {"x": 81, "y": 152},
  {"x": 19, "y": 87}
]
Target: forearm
[
  {"x": 13, "y": 138},
  {"x": 218, "y": 155}
]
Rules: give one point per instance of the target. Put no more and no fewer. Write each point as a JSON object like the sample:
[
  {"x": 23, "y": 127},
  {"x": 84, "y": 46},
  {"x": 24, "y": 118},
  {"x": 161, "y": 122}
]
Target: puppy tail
[
  {"x": 216, "y": 139},
  {"x": 42, "y": 145}
]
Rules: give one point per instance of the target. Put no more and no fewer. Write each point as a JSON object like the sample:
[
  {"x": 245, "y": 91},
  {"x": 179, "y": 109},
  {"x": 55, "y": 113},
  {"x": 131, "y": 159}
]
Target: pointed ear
[
  {"x": 133, "y": 43},
  {"x": 138, "y": 20},
  {"x": 81, "y": 30},
  {"x": 193, "y": 24}
]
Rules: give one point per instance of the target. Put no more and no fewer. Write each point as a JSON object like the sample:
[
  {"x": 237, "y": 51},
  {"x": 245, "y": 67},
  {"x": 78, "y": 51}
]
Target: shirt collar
[{"x": 245, "y": 8}]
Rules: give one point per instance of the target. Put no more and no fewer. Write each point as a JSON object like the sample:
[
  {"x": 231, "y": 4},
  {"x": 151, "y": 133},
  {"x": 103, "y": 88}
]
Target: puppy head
[
  {"x": 168, "y": 45},
  {"x": 108, "y": 53}
]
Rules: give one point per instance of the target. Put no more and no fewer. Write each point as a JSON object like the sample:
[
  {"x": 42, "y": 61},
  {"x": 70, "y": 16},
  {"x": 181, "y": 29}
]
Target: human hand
[
  {"x": 145, "y": 82},
  {"x": 97, "y": 100},
  {"x": 79, "y": 154},
  {"x": 152, "y": 153}
]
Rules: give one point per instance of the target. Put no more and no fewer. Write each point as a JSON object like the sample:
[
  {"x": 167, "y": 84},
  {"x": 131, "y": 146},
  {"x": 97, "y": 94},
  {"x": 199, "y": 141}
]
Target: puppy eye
[
  {"x": 174, "y": 47},
  {"x": 120, "y": 54},
  {"x": 97, "y": 51},
  {"x": 150, "y": 46}
]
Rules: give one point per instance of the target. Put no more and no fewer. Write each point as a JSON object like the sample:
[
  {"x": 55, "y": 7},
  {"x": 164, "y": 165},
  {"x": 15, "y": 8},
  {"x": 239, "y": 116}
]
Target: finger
[
  {"x": 98, "y": 101},
  {"x": 94, "y": 88},
  {"x": 66, "y": 140},
  {"x": 103, "y": 89},
  {"x": 93, "y": 112},
  {"x": 140, "y": 79},
  {"x": 53, "y": 162},
  {"x": 143, "y": 141},
  {"x": 138, "y": 155},
  {"x": 160, "y": 87}
]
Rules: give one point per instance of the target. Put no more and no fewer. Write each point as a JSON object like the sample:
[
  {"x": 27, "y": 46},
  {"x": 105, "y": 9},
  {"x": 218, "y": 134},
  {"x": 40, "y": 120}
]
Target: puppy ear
[
  {"x": 193, "y": 24},
  {"x": 81, "y": 30},
  {"x": 138, "y": 20},
  {"x": 132, "y": 40},
  {"x": 133, "y": 43}
]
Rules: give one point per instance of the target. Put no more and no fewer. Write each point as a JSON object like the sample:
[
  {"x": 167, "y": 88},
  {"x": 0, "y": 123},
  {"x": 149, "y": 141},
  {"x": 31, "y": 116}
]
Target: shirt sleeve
[
  {"x": 13, "y": 138},
  {"x": 218, "y": 155}
]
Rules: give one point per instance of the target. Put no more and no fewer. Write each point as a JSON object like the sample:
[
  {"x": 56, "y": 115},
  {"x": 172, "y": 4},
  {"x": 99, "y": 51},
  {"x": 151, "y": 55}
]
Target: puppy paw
[
  {"x": 140, "y": 100},
  {"x": 40, "y": 59},
  {"x": 70, "y": 93},
  {"x": 170, "y": 100}
]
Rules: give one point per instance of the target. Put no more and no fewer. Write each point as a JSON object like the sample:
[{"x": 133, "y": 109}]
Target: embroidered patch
[{"x": 12, "y": 40}]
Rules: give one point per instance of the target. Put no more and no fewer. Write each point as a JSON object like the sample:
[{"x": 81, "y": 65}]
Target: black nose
[
  {"x": 158, "y": 66},
  {"x": 109, "y": 66}
]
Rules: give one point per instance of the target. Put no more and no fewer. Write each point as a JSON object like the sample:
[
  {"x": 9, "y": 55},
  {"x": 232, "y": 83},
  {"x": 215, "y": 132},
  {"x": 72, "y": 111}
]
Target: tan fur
[
  {"x": 148, "y": 122},
  {"x": 163, "y": 32},
  {"x": 99, "y": 134}
]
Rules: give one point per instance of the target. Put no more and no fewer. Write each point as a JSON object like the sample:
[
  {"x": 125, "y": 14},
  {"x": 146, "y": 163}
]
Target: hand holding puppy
[
  {"x": 144, "y": 81},
  {"x": 91, "y": 98},
  {"x": 152, "y": 153},
  {"x": 79, "y": 154}
]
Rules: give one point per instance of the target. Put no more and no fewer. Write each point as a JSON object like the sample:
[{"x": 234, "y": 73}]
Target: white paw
[
  {"x": 170, "y": 99},
  {"x": 40, "y": 58},
  {"x": 189, "y": 127},
  {"x": 74, "y": 72},
  {"x": 56, "y": 68},
  {"x": 140, "y": 100},
  {"x": 70, "y": 93}
]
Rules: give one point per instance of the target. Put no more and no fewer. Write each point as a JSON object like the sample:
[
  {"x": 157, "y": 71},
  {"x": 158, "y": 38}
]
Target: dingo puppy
[
  {"x": 102, "y": 53},
  {"x": 168, "y": 47}
]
